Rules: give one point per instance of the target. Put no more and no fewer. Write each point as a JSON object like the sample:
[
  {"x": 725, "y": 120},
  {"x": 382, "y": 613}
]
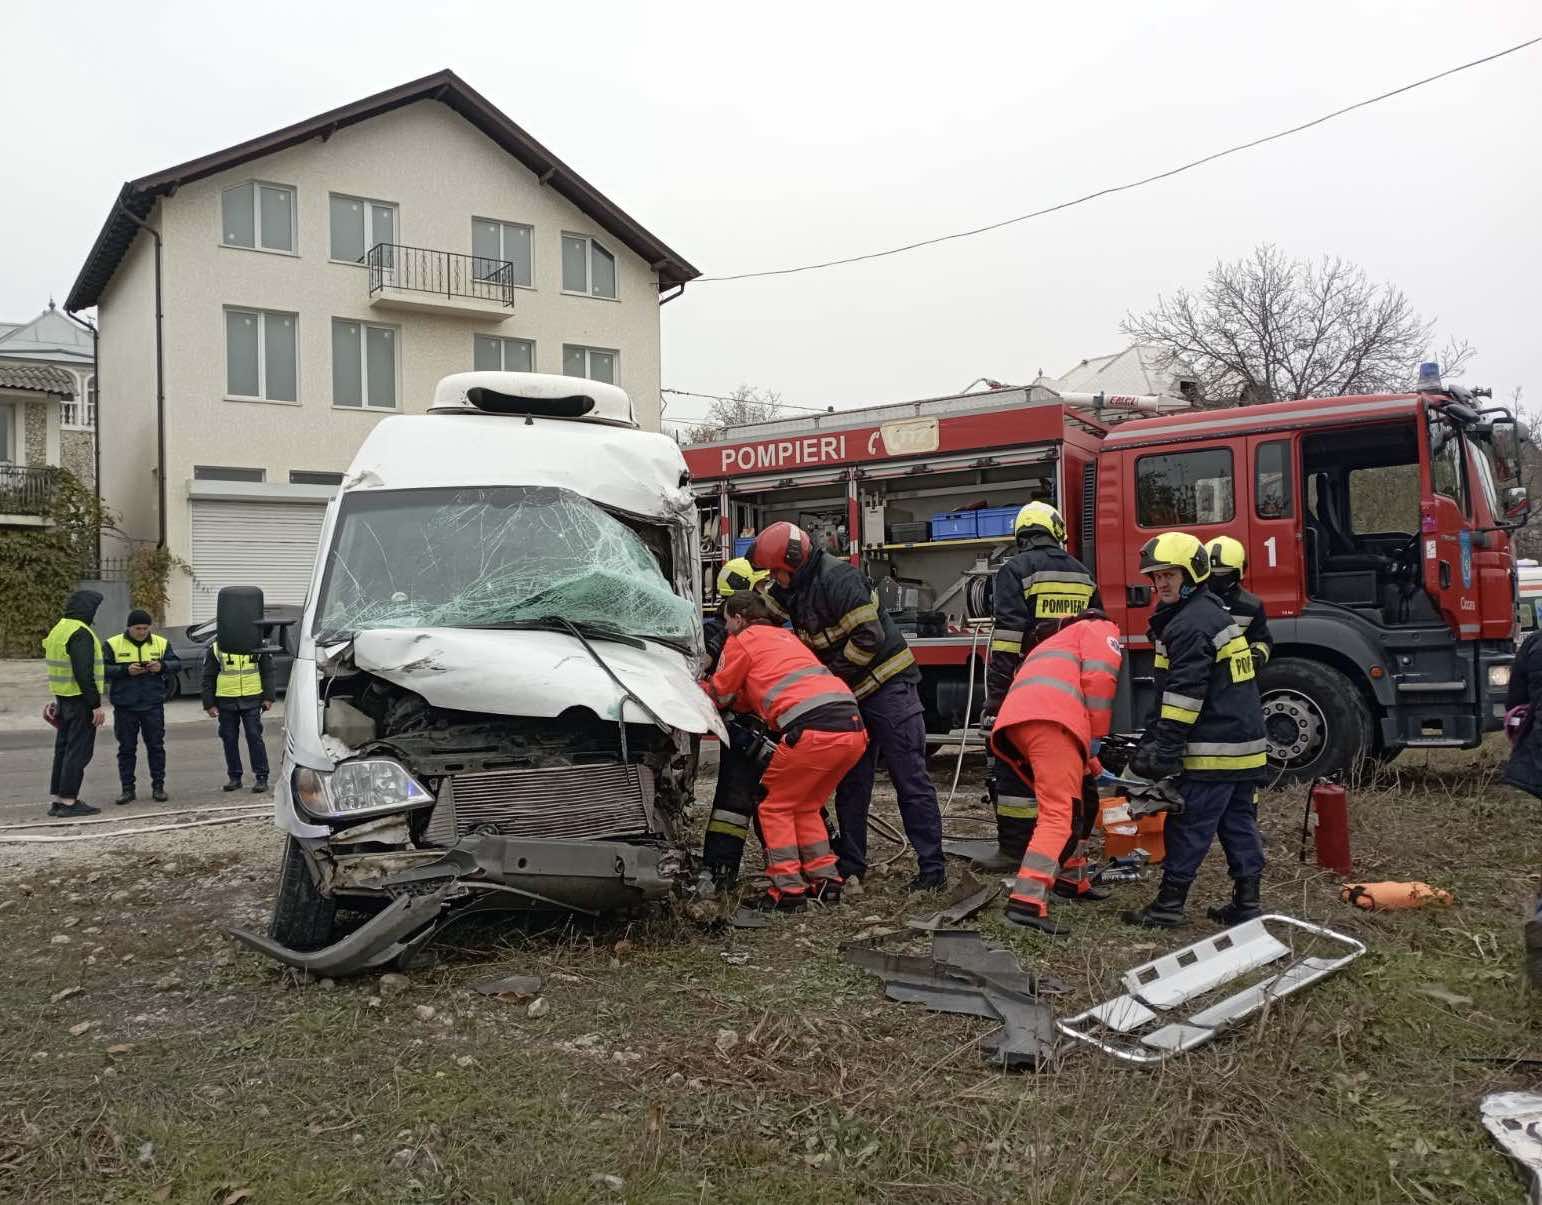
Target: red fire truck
[{"x": 1376, "y": 530}]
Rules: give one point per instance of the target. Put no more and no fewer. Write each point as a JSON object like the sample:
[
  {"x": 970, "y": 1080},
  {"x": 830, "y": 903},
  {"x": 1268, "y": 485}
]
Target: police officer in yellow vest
[
  {"x": 76, "y": 681},
  {"x": 237, "y": 689},
  {"x": 139, "y": 665}
]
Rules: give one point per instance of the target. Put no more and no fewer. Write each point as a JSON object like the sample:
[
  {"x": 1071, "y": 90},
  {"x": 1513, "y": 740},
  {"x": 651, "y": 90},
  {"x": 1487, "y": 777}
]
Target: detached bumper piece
[
  {"x": 1173, "y": 1004},
  {"x": 403, "y": 925},
  {"x": 965, "y": 975}
]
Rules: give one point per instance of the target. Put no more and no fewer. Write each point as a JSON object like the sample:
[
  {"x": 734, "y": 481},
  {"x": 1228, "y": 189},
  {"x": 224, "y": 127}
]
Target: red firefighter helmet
[{"x": 781, "y": 548}]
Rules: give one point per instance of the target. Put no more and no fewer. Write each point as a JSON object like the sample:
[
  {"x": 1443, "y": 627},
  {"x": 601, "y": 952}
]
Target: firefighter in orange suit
[
  {"x": 1060, "y": 702},
  {"x": 766, "y": 670}
]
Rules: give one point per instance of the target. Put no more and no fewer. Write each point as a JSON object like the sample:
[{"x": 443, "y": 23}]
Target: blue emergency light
[{"x": 1429, "y": 376}]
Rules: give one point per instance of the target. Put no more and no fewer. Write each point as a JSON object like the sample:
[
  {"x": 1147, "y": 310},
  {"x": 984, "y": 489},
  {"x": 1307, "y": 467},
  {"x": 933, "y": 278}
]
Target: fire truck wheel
[{"x": 1316, "y": 720}]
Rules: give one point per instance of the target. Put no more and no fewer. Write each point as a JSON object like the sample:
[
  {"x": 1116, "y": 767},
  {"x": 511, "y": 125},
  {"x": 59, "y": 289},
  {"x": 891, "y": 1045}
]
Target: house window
[
  {"x": 1184, "y": 488},
  {"x": 492, "y": 242},
  {"x": 7, "y": 433},
  {"x": 312, "y": 477},
  {"x": 258, "y": 216},
  {"x": 358, "y": 224},
  {"x": 261, "y": 356},
  {"x": 492, "y": 354},
  {"x": 587, "y": 267},
  {"x": 596, "y": 363},
  {"x": 363, "y": 365},
  {"x": 220, "y": 472},
  {"x": 78, "y": 411}
]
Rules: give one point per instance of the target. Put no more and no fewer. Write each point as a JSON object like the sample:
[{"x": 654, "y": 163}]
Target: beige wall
[
  {"x": 440, "y": 172},
  {"x": 126, "y": 392}
]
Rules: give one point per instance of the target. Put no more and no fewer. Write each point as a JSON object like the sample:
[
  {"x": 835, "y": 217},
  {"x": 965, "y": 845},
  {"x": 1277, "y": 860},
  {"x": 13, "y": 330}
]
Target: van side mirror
[
  {"x": 238, "y": 626},
  {"x": 1517, "y": 506}
]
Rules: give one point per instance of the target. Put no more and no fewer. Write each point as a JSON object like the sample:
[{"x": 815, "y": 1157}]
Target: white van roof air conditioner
[{"x": 542, "y": 395}]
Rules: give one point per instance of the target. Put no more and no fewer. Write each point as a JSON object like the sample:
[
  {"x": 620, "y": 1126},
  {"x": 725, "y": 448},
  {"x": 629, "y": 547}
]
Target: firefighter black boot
[
  {"x": 1244, "y": 904},
  {"x": 1166, "y": 911}
]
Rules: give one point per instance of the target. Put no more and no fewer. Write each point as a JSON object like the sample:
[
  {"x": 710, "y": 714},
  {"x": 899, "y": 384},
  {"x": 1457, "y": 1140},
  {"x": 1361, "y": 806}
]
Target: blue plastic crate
[
  {"x": 960, "y": 525},
  {"x": 997, "y": 520},
  {"x": 742, "y": 546}
]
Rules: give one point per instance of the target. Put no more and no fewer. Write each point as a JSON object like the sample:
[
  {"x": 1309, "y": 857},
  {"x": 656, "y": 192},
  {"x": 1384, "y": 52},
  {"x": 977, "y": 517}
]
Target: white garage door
[{"x": 267, "y": 544}]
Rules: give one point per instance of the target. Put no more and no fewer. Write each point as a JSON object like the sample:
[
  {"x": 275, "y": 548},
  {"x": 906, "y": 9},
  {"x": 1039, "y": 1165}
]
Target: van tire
[
  {"x": 1315, "y": 718},
  {"x": 303, "y": 918}
]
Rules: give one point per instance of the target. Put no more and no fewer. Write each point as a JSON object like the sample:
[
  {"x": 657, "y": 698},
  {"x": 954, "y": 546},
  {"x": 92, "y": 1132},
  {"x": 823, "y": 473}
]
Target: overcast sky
[{"x": 767, "y": 136}]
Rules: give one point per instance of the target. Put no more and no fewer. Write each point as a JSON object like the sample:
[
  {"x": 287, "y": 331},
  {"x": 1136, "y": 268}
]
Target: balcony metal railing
[
  {"x": 442, "y": 273},
  {"x": 26, "y": 491}
]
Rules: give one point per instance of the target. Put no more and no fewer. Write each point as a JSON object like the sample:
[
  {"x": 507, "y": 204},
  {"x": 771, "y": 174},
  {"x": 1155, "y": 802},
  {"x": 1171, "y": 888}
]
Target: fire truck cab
[
  {"x": 1376, "y": 530},
  {"x": 1376, "y": 534}
]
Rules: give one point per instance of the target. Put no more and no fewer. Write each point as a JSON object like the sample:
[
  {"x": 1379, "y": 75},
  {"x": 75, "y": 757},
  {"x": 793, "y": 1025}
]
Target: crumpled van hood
[{"x": 537, "y": 674}]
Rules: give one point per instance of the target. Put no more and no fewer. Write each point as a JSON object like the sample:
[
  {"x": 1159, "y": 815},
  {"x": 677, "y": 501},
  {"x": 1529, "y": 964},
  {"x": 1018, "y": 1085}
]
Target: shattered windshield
[{"x": 492, "y": 555}]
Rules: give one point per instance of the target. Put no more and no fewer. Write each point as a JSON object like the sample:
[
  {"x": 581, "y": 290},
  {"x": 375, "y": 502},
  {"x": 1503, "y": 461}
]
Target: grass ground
[{"x": 662, "y": 1071}]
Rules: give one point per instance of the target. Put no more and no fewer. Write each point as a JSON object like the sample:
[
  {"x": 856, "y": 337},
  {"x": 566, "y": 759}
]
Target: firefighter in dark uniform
[
  {"x": 834, "y": 610},
  {"x": 237, "y": 689},
  {"x": 738, "y": 767},
  {"x": 1228, "y": 566},
  {"x": 1036, "y": 588},
  {"x": 139, "y": 664},
  {"x": 1209, "y": 732},
  {"x": 76, "y": 680}
]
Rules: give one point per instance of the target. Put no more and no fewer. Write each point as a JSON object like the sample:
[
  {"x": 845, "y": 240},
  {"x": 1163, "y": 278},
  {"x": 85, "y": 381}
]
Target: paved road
[{"x": 195, "y": 768}]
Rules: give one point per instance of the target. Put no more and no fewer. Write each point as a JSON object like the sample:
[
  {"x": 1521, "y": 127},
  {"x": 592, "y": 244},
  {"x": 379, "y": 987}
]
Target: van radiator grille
[{"x": 573, "y": 802}]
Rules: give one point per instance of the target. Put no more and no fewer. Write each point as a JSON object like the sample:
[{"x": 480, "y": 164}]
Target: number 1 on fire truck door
[{"x": 1273, "y": 533}]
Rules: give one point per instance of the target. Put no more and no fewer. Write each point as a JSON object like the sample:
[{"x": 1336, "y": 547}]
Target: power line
[
  {"x": 1118, "y": 188},
  {"x": 715, "y": 397}
]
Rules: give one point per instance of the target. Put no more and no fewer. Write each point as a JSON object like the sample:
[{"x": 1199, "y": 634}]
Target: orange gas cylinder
[
  {"x": 1388, "y": 897},
  {"x": 1123, "y": 834}
]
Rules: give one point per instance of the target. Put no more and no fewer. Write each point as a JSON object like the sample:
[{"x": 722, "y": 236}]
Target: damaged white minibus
[{"x": 494, "y": 701}]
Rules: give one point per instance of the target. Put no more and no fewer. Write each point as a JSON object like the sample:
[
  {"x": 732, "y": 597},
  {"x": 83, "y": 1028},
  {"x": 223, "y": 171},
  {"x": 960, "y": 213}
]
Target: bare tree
[
  {"x": 746, "y": 404},
  {"x": 1269, "y": 328},
  {"x": 1528, "y": 538}
]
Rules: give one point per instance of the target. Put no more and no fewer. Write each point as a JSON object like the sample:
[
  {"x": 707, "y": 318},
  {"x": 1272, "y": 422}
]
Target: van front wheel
[
  {"x": 1315, "y": 719},
  {"x": 303, "y": 918}
]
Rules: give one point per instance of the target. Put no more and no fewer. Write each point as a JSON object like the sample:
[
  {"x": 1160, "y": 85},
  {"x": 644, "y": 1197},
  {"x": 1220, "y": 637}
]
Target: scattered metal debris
[
  {"x": 977, "y": 849},
  {"x": 749, "y": 918},
  {"x": 400, "y": 927},
  {"x": 735, "y": 958},
  {"x": 1515, "y": 1121},
  {"x": 965, "y": 975},
  {"x": 1199, "y": 970},
  {"x": 515, "y": 986},
  {"x": 967, "y": 898}
]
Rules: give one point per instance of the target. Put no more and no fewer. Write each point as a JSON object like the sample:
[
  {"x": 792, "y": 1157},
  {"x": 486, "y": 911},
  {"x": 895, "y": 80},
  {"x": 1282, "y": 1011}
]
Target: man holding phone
[{"x": 138, "y": 663}]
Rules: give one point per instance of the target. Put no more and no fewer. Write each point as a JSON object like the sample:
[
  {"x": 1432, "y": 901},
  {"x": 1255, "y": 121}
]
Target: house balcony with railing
[
  {"x": 440, "y": 282},
  {"x": 26, "y": 495}
]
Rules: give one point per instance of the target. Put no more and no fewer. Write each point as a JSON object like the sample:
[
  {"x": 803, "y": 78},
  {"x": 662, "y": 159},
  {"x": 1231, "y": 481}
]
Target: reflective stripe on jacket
[
  {"x": 1040, "y": 583},
  {"x": 835, "y": 611},
  {"x": 1247, "y": 612},
  {"x": 1208, "y": 710},
  {"x": 768, "y": 671},
  {"x": 239, "y": 676},
  {"x": 1069, "y": 679},
  {"x": 142, "y": 690},
  {"x": 61, "y": 673}
]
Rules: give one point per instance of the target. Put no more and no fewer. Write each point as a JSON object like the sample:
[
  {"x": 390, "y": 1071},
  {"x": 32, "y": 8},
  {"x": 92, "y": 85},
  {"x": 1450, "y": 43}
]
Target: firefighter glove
[{"x": 1153, "y": 763}]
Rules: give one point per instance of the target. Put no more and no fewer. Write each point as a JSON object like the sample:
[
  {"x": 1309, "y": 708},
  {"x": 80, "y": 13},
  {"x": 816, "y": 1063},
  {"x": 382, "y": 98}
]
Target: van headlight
[
  {"x": 358, "y": 788},
  {"x": 1498, "y": 677}
]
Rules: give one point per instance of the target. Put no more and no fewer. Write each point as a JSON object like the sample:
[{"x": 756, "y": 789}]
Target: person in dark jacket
[
  {"x": 1036, "y": 589},
  {"x": 76, "y": 679},
  {"x": 237, "y": 689},
  {"x": 139, "y": 664},
  {"x": 1524, "y": 769},
  {"x": 1209, "y": 731},
  {"x": 738, "y": 768},
  {"x": 1228, "y": 566},
  {"x": 834, "y": 610}
]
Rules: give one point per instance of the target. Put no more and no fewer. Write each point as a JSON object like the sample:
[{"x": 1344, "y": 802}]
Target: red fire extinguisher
[{"x": 1327, "y": 819}]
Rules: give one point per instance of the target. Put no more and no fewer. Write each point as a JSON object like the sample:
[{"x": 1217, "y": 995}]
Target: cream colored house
[{"x": 326, "y": 274}]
